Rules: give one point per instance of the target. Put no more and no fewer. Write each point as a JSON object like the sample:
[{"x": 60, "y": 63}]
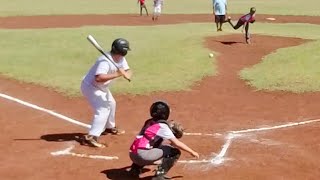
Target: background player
[
  {"x": 143, "y": 6},
  {"x": 244, "y": 22},
  {"x": 157, "y": 8},
  {"x": 219, "y": 11}
]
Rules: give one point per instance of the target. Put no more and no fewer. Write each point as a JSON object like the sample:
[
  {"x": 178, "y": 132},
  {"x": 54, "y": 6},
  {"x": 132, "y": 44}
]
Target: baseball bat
[{"x": 99, "y": 48}]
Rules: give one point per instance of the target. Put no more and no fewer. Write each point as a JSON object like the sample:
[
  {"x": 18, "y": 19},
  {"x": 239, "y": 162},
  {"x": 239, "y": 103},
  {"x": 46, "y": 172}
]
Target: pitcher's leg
[
  {"x": 238, "y": 25},
  {"x": 247, "y": 34}
]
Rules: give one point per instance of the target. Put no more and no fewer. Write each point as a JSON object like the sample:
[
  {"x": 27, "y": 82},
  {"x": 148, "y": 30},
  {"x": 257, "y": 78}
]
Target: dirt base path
[
  {"x": 61, "y": 21},
  {"x": 215, "y": 105}
]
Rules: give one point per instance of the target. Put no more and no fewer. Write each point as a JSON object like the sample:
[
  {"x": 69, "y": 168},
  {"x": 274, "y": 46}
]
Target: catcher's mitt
[{"x": 177, "y": 129}]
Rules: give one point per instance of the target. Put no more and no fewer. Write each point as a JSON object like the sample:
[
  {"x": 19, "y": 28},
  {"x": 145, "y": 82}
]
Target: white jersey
[
  {"x": 157, "y": 3},
  {"x": 103, "y": 66}
]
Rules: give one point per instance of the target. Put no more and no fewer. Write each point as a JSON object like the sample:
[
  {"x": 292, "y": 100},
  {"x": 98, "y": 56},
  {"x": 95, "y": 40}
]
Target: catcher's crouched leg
[
  {"x": 168, "y": 162},
  {"x": 135, "y": 170}
]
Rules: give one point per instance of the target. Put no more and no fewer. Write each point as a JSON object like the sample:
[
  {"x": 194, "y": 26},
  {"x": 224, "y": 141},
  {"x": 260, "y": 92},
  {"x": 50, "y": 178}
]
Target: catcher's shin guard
[{"x": 168, "y": 162}]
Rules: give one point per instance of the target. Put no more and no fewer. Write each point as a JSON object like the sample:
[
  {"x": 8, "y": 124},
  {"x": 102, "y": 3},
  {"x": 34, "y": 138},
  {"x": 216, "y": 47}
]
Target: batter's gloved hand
[{"x": 177, "y": 129}]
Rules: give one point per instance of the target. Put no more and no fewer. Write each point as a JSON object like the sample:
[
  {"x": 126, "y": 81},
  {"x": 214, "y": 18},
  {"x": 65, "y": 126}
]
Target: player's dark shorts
[{"x": 220, "y": 18}]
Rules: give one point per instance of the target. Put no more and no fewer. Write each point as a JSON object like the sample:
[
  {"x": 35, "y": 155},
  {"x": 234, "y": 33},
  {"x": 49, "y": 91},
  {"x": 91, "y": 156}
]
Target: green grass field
[
  {"x": 291, "y": 69},
  {"x": 49, "y": 7},
  {"x": 58, "y": 58}
]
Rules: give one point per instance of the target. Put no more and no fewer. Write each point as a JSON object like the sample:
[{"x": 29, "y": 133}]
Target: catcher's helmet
[
  {"x": 160, "y": 110},
  {"x": 120, "y": 46}
]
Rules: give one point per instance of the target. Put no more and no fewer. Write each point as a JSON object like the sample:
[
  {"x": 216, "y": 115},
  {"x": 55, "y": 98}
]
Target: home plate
[{"x": 270, "y": 18}]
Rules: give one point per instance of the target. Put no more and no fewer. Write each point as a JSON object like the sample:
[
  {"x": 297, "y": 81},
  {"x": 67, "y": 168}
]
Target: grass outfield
[
  {"x": 58, "y": 58},
  {"x": 290, "y": 69},
  {"x": 294, "y": 69},
  {"x": 49, "y": 7},
  {"x": 163, "y": 57}
]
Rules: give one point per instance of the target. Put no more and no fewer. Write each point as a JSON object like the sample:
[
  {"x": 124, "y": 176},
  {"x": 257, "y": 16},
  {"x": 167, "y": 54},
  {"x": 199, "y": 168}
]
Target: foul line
[
  {"x": 45, "y": 110},
  {"x": 220, "y": 158},
  {"x": 275, "y": 127},
  {"x": 68, "y": 152}
]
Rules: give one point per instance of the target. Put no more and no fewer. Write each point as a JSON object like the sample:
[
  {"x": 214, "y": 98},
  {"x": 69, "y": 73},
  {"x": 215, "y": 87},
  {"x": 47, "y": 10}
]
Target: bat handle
[{"x": 124, "y": 74}]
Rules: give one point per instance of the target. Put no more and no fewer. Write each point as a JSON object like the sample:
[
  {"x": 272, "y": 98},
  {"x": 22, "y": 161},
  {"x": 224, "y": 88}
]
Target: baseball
[{"x": 210, "y": 55}]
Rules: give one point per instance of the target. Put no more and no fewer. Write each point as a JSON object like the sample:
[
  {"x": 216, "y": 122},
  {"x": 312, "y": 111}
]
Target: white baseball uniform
[
  {"x": 157, "y": 5},
  {"x": 99, "y": 95}
]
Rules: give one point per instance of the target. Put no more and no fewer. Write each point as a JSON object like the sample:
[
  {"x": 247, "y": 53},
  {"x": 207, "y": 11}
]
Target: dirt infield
[
  {"x": 132, "y": 19},
  {"x": 214, "y": 105}
]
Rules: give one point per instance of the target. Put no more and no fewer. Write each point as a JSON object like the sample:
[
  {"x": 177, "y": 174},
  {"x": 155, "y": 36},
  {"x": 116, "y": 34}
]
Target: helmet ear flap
[{"x": 120, "y": 46}]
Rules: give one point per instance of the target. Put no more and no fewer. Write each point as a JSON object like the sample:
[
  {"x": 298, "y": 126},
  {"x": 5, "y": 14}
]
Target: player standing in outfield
[
  {"x": 219, "y": 11},
  {"x": 143, "y": 6},
  {"x": 244, "y": 22},
  {"x": 95, "y": 87},
  {"x": 157, "y": 8},
  {"x": 148, "y": 149}
]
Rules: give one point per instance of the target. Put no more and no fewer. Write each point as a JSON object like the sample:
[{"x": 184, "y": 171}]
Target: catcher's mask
[
  {"x": 160, "y": 110},
  {"x": 120, "y": 46}
]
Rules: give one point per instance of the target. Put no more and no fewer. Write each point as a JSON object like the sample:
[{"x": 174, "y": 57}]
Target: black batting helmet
[
  {"x": 120, "y": 46},
  {"x": 160, "y": 110}
]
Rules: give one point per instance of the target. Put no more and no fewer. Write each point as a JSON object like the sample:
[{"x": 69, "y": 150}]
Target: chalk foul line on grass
[
  {"x": 68, "y": 152},
  {"x": 217, "y": 160}
]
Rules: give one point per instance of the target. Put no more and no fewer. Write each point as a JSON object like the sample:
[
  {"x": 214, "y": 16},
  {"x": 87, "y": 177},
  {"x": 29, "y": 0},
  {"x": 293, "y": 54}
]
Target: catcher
[{"x": 149, "y": 147}]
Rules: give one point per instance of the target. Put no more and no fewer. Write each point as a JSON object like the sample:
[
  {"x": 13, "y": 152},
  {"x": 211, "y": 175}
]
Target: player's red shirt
[
  {"x": 141, "y": 2},
  {"x": 248, "y": 18}
]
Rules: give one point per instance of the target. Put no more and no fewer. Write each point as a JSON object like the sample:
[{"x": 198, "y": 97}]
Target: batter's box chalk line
[
  {"x": 216, "y": 160},
  {"x": 68, "y": 152}
]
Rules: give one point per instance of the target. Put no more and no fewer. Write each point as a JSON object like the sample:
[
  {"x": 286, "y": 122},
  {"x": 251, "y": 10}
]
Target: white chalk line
[
  {"x": 275, "y": 127},
  {"x": 220, "y": 158},
  {"x": 217, "y": 160},
  {"x": 45, "y": 110},
  {"x": 68, "y": 152},
  {"x": 201, "y": 134}
]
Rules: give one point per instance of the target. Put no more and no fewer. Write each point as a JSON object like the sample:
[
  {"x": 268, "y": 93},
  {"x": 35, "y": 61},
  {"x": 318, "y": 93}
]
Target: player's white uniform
[
  {"x": 99, "y": 95},
  {"x": 157, "y": 5}
]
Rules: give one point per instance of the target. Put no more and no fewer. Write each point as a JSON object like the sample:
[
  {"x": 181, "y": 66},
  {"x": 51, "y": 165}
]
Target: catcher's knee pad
[{"x": 174, "y": 153}]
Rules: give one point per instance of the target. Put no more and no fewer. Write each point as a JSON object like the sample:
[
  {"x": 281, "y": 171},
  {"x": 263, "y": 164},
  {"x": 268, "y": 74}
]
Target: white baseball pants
[{"x": 104, "y": 106}]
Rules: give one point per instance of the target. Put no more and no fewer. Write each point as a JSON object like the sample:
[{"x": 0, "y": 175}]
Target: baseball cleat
[
  {"x": 92, "y": 141},
  {"x": 114, "y": 131},
  {"x": 248, "y": 41}
]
